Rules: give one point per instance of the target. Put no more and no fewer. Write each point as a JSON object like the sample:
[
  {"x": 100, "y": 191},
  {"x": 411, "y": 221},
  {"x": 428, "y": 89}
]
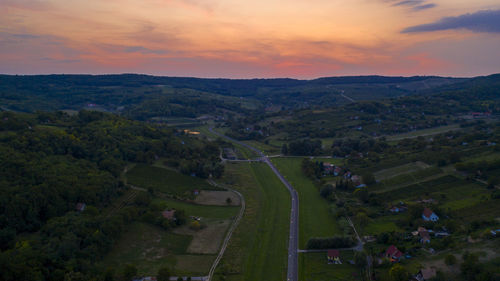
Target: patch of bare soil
[
  {"x": 217, "y": 198},
  {"x": 206, "y": 240}
]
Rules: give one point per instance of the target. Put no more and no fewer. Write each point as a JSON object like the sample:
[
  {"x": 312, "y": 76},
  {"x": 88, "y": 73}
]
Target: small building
[
  {"x": 333, "y": 257},
  {"x": 356, "y": 181},
  {"x": 337, "y": 171},
  {"x": 80, "y": 207},
  {"x": 328, "y": 168},
  {"x": 398, "y": 209},
  {"x": 169, "y": 214},
  {"x": 424, "y": 235},
  {"x": 393, "y": 253},
  {"x": 429, "y": 215}
]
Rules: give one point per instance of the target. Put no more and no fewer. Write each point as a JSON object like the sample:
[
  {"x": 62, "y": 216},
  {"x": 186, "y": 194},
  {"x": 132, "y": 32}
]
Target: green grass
[
  {"x": 463, "y": 196},
  {"x": 404, "y": 179},
  {"x": 420, "y": 189},
  {"x": 267, "y": 149},
  {"x": 314, "y": 267},
  {"x": 259, "y": 246},
  {"x": 315, "y": 219},
  {"x": 205, "y": 211},
  {"x": 398, "y": 170},
  {"x": 425, "y": 132},
  {"x": 381, "y": 224},
  {"x": 150, "y": 248},
  {"x": 166, "y": 181}
]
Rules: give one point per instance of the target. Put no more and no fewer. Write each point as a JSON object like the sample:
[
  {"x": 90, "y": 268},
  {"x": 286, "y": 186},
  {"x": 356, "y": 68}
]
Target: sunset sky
[{"x": 247, "y": 39}]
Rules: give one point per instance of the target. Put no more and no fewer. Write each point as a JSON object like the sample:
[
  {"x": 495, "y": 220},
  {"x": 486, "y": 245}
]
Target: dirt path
[{"x": 229, "y": 233}]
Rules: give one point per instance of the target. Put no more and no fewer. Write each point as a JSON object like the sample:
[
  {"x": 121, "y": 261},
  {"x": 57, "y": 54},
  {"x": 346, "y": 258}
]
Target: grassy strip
[
  {"x": 315, "y": 217},
  {"x": 258, "y": 248}
]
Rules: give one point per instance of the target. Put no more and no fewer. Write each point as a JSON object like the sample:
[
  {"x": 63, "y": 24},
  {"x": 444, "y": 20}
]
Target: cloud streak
[
  {"x": 415, "y": 5},
  {"x": 481, "y": 21}
]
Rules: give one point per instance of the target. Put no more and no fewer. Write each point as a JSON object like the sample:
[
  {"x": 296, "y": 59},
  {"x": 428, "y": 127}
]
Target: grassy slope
[
  {"x": 258, "y": 248},
  {"x": 149, "y": 248},
  {"x": 205, "y": 211},
  {"x": 165, "y": 181},
  {"x": 315, "y": 219}
]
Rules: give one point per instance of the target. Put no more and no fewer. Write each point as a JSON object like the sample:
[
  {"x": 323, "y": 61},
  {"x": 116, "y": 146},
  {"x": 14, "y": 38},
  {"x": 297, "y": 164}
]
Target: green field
[
  {"x": 150, "y": 248},
  {"x": 425, "y": 132},
  {"x": 205, "y": 211},
  {"x": 164, "y": 180},
  {"x": 314, "y": 267},
  {"x": 314, "y": 211},
  {"x": 398, "y": 170},
  {"x": 381, "y": 224},
  {"x": 258, "y": 248}
]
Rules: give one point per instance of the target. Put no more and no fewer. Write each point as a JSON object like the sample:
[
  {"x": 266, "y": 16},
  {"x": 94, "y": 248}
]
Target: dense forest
[{"x": 53, "y": 161}]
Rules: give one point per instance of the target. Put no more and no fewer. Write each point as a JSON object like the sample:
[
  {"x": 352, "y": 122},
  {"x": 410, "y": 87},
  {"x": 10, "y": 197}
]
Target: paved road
[{"x": 292, "y": 270}]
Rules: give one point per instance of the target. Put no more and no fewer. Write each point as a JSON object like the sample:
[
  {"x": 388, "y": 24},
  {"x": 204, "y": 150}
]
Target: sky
[{"x": 251, "y": 39}]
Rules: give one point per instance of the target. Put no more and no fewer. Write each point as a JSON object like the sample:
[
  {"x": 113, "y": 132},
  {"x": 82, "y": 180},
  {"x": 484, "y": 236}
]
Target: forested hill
[
  {"x": 53, "y": 161},
  {"x": 191, "y": 97}
]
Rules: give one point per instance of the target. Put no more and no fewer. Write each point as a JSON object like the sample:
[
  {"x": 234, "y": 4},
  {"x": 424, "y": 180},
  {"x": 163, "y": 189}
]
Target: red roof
[
  {"x": 168, "y": 214},
  {"x": 392, "y": 251},
  {"x": 427, "y": 212},
  {"x": 333, "y": 253}
]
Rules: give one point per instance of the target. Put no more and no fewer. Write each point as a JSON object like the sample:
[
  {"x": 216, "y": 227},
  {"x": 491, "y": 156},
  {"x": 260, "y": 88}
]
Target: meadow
[
  {"x": 315, "y": 217},
  {"x": 258, "y": 247},
  {"x": 149, "y": 248},
  {"x": 165, "y": 181},
  {"x": 314, "y": 267}
]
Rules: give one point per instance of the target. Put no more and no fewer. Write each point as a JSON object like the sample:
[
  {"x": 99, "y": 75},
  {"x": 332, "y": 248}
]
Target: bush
[
  {"x": 450, "y": 260},
  {"x": 330, "y": 242}
]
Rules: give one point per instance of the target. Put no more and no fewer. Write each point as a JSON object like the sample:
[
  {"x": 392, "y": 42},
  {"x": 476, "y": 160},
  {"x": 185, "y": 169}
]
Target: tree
[
  {"x": 398, "y": 273},
  {"x": 362, "y": 218},
  {"x": 129, "y": 271},
  {"x": 163, "y": 274},
  {"x": 368, "y": 179},
  {"x": 360, "y": 259},
  {"x": 109, "y": 275},
  {"x": 284, "y": 149},
  {"x": 450, "y": 260}
]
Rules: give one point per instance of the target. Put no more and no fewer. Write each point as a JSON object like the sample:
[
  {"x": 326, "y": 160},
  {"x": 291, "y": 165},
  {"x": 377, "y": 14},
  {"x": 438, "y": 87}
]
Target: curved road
[{"x": 292, "y": 270}]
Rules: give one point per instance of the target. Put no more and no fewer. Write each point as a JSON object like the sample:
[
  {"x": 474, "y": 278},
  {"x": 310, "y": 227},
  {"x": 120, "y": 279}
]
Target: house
[
  {"x": 337, "y": 171},
  {"x": 147, "y": 278},
  {"x": 393, "y": 254},
  {"x": 328, "y": 168},
  {"x": 398, "y": 209},
  {"x": 356, "y": 181},
  {"x": 424, "y": 235},
  {"x": 441, "y": 234},
  {"x": 80, "y": 207},
  {"x": 429, "y": 215},
  {"x": 333, "y": 257},
  {"x": 495, "y": 232},
  {"x": 169, "y": 214}
]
